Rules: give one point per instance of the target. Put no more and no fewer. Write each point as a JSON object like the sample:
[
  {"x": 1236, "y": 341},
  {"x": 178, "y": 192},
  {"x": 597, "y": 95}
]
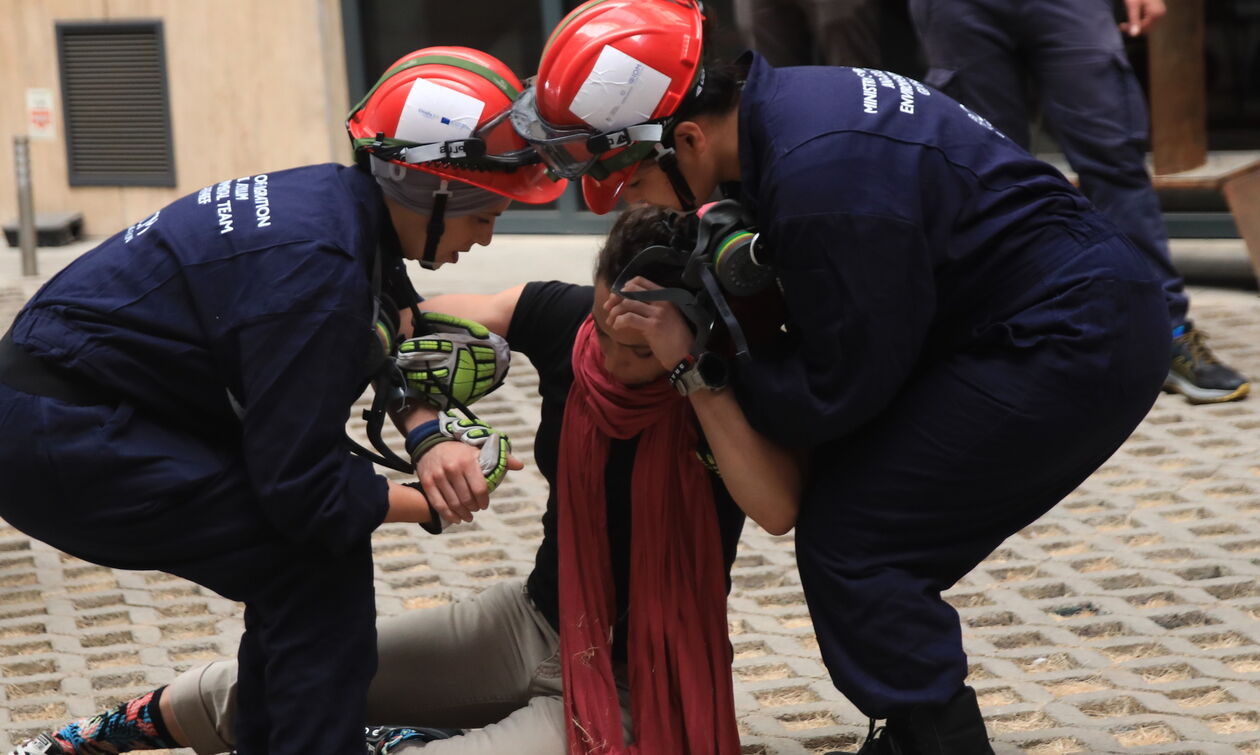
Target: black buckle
[{"x": 601, "y": 143}]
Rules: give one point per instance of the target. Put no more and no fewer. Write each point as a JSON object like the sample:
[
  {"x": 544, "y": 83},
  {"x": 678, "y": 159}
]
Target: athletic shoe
[
  {"x": 41, "y": 745},
  {"x": 1197, "y": 374},
  {"x": 384, "y": 739}
]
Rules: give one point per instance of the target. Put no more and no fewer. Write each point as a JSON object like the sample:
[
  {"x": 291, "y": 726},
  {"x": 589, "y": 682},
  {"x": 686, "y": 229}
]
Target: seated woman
[{"x": 620, "y": 632}]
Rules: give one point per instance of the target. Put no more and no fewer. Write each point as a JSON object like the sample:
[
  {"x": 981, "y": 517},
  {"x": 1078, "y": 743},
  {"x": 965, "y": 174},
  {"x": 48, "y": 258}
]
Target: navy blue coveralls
[
  {"x": 259, "y": 286},
  {"x": 991, "y": 55},
  {"x": 967, "y": 341}
]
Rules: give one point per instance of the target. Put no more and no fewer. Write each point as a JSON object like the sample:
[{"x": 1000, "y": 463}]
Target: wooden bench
[
  {"x": 51, "y": 229},
  {"x": 1179, "y": 125},
  {"x": 1236, "y": 175}
]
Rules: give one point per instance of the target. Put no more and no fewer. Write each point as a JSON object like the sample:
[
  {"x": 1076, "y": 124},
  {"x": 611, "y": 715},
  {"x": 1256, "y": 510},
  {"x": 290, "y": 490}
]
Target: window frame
[{"x": 77, "y": 177}]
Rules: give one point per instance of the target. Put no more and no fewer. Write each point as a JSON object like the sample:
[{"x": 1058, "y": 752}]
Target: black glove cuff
[{"x": 434, "y": 525}]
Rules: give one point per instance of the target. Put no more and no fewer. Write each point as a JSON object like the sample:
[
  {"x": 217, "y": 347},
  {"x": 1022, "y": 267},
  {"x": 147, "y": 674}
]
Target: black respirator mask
[{"x": 725, "y": 258}]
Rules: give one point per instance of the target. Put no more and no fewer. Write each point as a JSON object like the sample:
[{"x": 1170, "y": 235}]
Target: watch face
[{"x": 713, "y": 370}]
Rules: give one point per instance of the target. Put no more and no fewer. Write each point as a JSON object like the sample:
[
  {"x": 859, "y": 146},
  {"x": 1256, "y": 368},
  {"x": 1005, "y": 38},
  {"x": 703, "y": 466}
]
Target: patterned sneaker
[
  {"x": 41, "y": 745},
  {"x": 1197, "y": 374},
  {"x": 382, "y": 740}
]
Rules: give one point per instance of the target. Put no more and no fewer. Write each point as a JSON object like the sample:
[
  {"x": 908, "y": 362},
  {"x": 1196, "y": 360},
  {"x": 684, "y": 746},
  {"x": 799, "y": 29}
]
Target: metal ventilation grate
[{"x": 117, "y": 112}]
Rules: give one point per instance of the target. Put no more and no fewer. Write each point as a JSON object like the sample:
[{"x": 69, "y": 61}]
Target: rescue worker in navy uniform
[
  {"x": 992, "y": 54},
  {"x": 176, "y": 399},
  {"x": 967, "y": 339}
]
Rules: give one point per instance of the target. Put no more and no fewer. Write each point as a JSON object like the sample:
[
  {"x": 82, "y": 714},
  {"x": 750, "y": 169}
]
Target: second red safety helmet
[{"x": 611, "y": 76}]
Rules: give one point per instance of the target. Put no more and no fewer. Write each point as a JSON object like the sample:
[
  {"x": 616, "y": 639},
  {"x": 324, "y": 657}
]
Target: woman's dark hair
[{"x": 637, "y": 229}]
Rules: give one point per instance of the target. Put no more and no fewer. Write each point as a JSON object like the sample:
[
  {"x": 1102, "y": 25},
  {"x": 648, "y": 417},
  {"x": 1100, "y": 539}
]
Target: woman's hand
[
  {"x": 453, "y": 481},
  {"x": 660, "y": 323}
]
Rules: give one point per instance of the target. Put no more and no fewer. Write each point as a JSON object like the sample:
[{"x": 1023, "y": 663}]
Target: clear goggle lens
[
  {"x": 565, "y": 151},
  {"x": 502, "y": 145}
]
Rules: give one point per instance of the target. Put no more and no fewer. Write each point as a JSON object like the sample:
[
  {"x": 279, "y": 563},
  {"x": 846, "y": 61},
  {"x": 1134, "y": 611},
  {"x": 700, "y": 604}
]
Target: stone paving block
[{"x": 1124, "y": 621}]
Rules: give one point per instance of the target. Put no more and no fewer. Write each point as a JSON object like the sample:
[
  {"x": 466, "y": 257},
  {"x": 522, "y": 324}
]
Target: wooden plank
[
  {"x": 1177, "y": 81},
  {"x": 1242, "y": 192},
  {"x": 1212, "y": 175}
]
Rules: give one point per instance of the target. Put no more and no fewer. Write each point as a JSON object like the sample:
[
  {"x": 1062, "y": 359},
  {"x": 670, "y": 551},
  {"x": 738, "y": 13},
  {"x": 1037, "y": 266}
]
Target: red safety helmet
[
  {"x": 611, "y": 77},
  {"x": 443, "y": 110}
]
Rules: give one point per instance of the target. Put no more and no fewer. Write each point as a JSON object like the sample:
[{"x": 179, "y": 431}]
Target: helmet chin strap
[
  {"x": 437, "y": 224},
  {"x": 667, "y": 159}
]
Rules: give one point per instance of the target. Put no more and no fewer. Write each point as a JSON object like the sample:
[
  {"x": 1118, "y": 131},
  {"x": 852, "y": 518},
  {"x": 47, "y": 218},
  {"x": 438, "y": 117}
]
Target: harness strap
[
  {"x": 374, "y": 417},
  {"x": 386, "y": 381},
  {"x": 733, "y": 327}
]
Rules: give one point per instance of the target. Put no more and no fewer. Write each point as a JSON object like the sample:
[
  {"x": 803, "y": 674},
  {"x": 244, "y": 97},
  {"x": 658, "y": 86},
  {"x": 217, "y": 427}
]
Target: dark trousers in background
[
  {"x": 1001, "y": 57},
  {"x": 866, "y": 33},
  {"x": 111, "y": 485},
  {"x": 980, "y": 443}
]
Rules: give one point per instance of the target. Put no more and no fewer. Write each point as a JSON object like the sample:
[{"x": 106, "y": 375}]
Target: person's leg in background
[
  {"x": 847, "y": 32},
  {"x": 1104, "y": 131},
  {"x": 824, "y": 32},
  {"x": 778, "y": 29},
  {"x": 898, "y": 44},
  {"x": 973, "y": 55},
  {"x": 982, "y": 53},
  {"x": 1102, "y": 127}
]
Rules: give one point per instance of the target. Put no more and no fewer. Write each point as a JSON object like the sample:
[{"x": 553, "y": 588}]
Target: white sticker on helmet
[
  {"x": 620, "y": 91},
  {"x": 434, "y": 113}
]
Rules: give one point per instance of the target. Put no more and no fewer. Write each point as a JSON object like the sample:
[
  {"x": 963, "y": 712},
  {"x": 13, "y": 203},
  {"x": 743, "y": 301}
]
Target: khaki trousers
[{"x": 489, "y": 664}]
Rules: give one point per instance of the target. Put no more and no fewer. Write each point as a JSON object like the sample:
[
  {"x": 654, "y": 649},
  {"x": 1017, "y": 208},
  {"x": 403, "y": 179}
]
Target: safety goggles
[
  {"x": 492, "y": 146},
  {"x": 571, "y": 152}
]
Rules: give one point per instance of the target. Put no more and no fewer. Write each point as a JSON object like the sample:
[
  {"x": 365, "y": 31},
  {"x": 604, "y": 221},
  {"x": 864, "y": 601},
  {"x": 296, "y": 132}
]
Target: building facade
[
  {"x": 249, "y": 87},
  {"x": 132, "y": 103}
]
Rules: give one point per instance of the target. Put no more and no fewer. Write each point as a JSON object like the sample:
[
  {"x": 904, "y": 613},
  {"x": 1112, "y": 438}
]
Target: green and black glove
[
  {"x": 454, "y": 363},
  {"x": 492, "y": 455},
  {"x": 493, "y": 446}
]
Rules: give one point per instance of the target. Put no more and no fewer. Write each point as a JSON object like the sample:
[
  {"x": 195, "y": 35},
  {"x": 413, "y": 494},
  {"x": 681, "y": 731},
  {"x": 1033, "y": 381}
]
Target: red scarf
[{"x": 679, "y": 652}]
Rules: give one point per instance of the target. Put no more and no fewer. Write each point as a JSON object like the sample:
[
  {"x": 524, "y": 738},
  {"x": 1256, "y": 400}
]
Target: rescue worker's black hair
[{"x": 719, "y": 94}]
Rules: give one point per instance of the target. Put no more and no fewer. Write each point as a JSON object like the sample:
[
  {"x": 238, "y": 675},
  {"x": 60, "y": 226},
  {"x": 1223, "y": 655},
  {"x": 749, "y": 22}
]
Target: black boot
[
  {"x": 383, "y": 739},
  {"x": 877, "y": 743},
  {"x": 955, "y": 728}
]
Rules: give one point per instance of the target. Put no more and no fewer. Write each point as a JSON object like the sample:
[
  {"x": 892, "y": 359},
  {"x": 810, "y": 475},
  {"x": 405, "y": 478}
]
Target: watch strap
[{"x": 683, "y": 376}]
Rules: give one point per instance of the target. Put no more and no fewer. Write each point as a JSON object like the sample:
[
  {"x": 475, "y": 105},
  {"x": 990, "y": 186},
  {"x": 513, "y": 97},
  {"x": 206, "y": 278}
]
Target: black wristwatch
[{"x": 708, "y": 371}]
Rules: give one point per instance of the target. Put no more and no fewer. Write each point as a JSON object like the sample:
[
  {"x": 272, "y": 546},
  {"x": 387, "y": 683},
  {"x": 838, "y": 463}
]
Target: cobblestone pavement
[{"x": 1125, "y": 621}]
